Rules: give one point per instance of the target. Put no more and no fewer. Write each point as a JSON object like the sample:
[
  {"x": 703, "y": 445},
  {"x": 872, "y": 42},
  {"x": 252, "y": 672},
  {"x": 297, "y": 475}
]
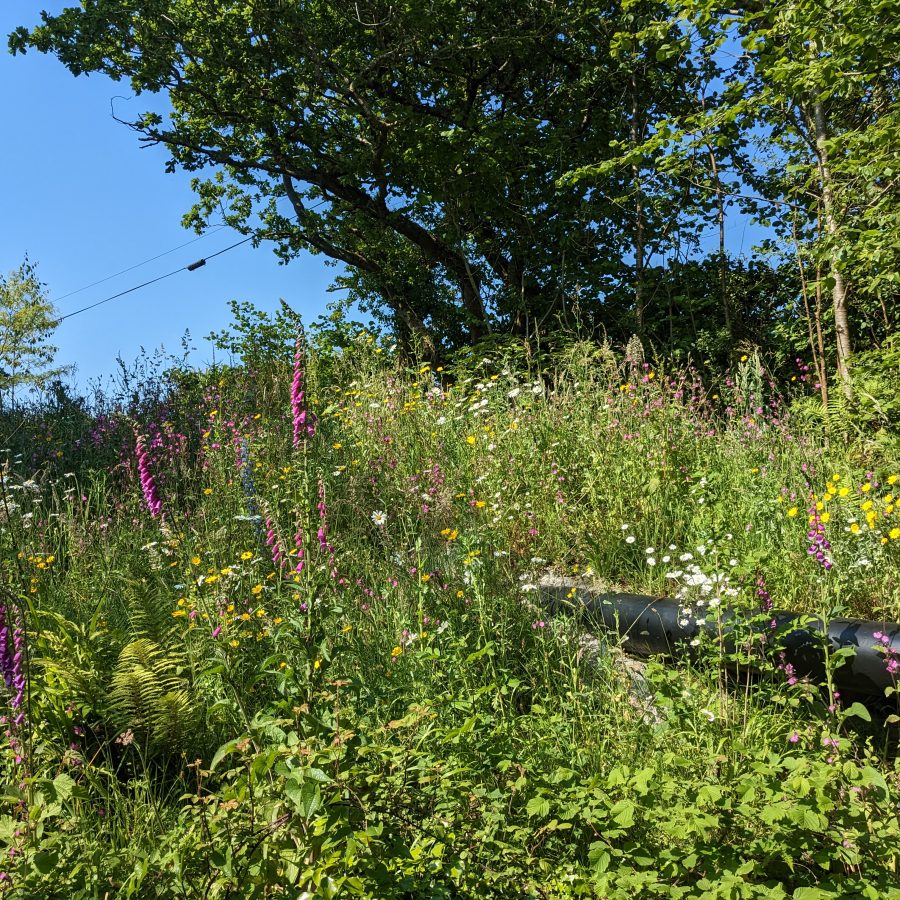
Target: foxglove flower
[
  {"x": 148, "y": 483},
  {"x": 303, "y": 420}
]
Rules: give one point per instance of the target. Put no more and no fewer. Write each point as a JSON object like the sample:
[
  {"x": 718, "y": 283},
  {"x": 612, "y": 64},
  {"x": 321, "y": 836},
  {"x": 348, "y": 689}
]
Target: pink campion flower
[
  {"x": 148, "y": 483},
  {"x": 303, "y": 420}
]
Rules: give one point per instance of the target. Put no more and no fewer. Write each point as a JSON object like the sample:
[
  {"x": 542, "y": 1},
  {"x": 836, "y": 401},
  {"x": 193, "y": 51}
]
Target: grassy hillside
[{"x": 272, "y": 630}]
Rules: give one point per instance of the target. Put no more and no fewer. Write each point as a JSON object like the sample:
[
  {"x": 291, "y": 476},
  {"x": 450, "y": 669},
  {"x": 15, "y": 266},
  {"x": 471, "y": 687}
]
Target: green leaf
[
  {"x": 64, "y": 786},
  {"x": 623, "y": 813},
  {"x": 306, "y": 795},
  {"x": 857, "y": 709},
  {"x": 45, "y": 861},
  {"x": 225, "y": 750},
  {"x": 538, "y": 806}
]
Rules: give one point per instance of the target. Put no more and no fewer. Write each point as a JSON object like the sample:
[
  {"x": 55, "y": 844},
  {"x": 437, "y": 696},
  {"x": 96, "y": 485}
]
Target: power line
[
  {"x": 138, "y": 265},
  {"x": 189, "y": 268}
]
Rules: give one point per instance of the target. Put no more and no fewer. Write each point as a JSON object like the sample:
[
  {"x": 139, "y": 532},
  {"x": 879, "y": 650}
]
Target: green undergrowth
[{"x": 267, "y": 659}]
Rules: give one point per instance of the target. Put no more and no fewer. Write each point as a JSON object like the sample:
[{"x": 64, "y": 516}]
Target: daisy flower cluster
[{"x": 701, "y": 587}]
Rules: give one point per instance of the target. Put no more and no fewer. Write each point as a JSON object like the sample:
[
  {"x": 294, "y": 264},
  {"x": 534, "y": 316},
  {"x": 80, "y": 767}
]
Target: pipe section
[{"x": 653, "y": 626}]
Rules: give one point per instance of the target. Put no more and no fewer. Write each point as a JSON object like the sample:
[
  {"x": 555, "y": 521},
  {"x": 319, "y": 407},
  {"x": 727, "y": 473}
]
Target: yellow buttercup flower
[{"x": 792, "y": 512}]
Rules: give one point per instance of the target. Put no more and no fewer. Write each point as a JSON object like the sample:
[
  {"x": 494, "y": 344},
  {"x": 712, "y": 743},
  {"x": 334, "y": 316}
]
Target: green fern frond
[{"x": 147, "y": 694}]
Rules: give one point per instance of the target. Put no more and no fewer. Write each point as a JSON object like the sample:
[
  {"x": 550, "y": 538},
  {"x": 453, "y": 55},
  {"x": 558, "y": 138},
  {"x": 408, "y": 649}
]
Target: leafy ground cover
[{"x": 272, "y": 629}]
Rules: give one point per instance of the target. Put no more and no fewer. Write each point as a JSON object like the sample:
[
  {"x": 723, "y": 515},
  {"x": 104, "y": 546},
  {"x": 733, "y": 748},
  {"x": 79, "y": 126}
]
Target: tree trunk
[
  {"x": 639, "y": 213},
  {"x": 723, "y": 259},
  {"x": 839, "y": 289}
]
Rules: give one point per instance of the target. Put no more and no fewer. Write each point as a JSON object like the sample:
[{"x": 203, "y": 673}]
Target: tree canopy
[
  {"x": 27, "y": 320},
  {"x": 513, "y": 167}
]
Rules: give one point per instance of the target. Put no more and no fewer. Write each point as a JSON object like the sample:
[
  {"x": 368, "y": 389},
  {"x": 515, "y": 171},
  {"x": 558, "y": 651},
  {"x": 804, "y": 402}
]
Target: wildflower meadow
[{"x": 275, "y": 628}]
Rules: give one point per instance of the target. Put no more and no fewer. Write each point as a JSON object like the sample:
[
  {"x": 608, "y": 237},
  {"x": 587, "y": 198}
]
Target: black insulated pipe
[{"x": 652, "y": 626}]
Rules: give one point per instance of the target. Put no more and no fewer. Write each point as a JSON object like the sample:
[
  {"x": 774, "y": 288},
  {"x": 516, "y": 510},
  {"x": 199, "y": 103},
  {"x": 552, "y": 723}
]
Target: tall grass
[{"x": 268, "y": 666}]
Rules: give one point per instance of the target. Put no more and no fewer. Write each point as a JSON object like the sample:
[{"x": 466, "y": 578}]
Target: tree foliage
[
  {"x": 27, "y": 320},
  {"x": 422, "y": 144},
  {"x": 516, "y": 167}
]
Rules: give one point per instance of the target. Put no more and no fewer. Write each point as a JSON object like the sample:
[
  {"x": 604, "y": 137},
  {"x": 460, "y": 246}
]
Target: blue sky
[{"x": 84, "y": 200}]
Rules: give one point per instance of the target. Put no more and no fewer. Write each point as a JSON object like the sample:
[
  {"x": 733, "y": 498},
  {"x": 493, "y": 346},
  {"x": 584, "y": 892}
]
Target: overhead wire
[
  {"x": 188, "y": 268},
  {"x": 138, "y": 265},
  {"x": 191, "y": 267}
]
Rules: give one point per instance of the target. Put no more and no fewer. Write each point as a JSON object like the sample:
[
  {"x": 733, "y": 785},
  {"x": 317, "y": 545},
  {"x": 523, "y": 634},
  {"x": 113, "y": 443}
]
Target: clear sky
[{"x": 83, "y": 200}]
